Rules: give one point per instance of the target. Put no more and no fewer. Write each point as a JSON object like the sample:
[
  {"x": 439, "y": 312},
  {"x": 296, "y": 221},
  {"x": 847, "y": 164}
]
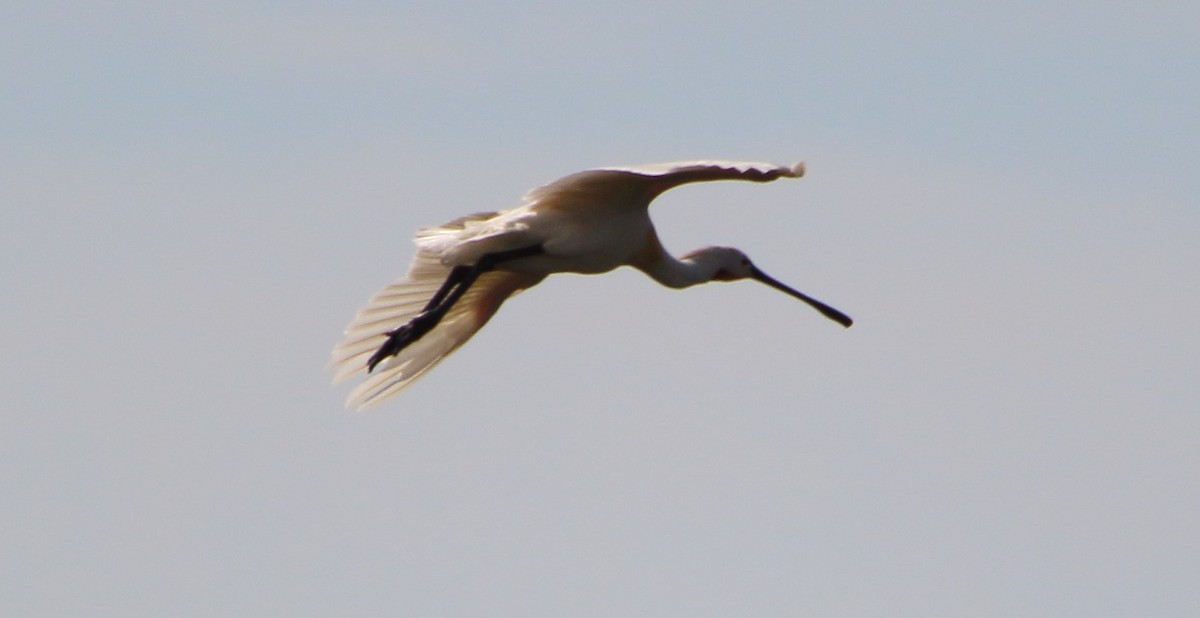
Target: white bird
[{"x": 588, "y": 222}]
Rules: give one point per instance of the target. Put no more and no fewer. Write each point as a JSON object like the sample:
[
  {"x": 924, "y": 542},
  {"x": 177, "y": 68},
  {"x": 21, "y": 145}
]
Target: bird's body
[{"x": 589, "y": 222}]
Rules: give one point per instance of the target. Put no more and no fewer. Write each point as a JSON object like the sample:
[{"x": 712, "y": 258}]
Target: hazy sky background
[{"x": 198, "y": 196}]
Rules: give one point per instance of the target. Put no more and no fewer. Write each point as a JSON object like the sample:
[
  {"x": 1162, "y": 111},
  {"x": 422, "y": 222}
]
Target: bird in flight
[{"x": 588, "y": 222}]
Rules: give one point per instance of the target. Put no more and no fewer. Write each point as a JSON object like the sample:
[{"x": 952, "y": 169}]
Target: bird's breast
[{"x": 591, "y": 241}]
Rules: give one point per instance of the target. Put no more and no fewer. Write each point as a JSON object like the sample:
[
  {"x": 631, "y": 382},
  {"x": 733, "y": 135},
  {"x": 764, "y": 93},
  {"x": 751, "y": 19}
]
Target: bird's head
[
  {"x": 729, "y": 264},
  {"x": 722, "y": 263}
]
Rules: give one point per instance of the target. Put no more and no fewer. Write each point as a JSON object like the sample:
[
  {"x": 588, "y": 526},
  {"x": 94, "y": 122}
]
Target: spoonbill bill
[{"x": 588, "y": 222}]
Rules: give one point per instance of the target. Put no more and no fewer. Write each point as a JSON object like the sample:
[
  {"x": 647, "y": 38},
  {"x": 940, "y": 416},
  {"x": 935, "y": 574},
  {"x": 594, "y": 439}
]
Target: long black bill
[{"x": 826, "y": 310}]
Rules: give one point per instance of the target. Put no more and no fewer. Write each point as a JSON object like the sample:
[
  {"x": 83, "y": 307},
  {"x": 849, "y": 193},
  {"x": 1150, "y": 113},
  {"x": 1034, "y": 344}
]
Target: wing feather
[
  {"x": 699, "y": 171},
  {"x": 614, "y": 182},
  {"x": 398, "y": 303}
]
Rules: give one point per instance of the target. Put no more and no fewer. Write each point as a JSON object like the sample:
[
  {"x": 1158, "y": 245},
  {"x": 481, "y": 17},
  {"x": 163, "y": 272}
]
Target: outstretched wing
[
  {"x": 394, "y": 306},
  {"x": 648, "y": 181},
  {"x": 700, "y": 171}
]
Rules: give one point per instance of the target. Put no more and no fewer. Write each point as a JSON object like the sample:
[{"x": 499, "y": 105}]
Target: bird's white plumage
[{"x": 590, "y": 221}]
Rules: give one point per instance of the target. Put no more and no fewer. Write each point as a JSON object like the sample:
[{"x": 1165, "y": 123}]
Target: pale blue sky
[{"x": 198, "y": 197}]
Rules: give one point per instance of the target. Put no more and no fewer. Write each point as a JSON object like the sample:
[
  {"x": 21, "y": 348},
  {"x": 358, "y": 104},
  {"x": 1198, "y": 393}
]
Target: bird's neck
[{"x": 680, "y": 272}]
